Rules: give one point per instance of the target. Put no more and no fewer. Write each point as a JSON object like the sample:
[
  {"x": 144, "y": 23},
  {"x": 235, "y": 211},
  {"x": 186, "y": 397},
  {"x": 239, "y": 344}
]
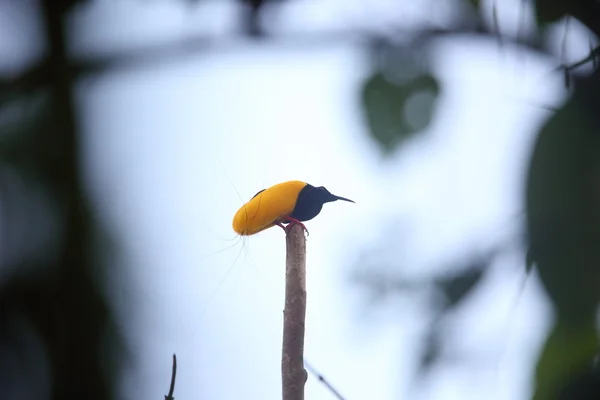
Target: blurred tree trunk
[{"x": 64, "y": 302}]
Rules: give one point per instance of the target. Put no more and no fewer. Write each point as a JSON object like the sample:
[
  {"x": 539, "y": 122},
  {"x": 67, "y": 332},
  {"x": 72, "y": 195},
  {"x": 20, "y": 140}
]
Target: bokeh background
[{"x": 466, "y": 131}]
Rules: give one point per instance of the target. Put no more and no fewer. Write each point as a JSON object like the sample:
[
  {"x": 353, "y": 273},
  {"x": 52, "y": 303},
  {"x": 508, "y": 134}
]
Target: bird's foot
[{"x": 293, "y": 221}]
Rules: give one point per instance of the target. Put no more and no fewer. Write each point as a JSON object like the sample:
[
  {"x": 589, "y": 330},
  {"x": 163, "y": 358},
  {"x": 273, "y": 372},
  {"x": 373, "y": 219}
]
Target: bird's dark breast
[{"x": 308, "y": 204}]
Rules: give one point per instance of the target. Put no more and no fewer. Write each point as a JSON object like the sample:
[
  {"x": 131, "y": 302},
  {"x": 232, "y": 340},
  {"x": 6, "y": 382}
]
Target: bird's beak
[{"x": 343, "y": 198}]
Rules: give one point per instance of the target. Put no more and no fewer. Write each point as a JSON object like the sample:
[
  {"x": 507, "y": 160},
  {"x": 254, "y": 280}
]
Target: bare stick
[
  {"x": 173, "y": 374},
  {"x": 293, "y": 373}
]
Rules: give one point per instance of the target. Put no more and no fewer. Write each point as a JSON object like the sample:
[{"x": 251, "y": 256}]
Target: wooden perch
[{"x": 293, "y": 373}]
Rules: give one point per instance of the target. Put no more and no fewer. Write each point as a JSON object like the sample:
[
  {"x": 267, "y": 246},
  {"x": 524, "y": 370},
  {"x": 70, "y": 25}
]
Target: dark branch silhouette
[
  {"x": 324, "y": 381},
  {"x": 37, "y": 75},
  {"x": 173, "y": 375}
]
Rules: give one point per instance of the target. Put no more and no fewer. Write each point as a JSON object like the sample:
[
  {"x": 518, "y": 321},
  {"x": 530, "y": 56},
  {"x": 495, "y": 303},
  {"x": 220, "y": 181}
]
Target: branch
[
  {"x": 35, "y": 77},
  {"x": 173, "y": 374},
  {"x": 293, "y": 374},
  {"x": 324, "y": 381},
  {"x": 592, "y": 57},
  {"x": 94, "y": 63}
]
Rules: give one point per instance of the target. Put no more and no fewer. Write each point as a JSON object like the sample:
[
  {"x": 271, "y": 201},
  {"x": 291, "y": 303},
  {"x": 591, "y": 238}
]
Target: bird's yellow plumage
[{"x": 267, "y": 207}]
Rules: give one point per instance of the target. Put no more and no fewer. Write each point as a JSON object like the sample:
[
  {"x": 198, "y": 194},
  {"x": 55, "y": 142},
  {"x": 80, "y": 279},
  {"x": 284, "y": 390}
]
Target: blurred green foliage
[
  {"x": 387, "y": 106},
  {"x": 562, "y": 202},
  {"x": 398, "y": 99},
  {"x": 563, "y": 218},
  {"x": 550, "y": 11}
]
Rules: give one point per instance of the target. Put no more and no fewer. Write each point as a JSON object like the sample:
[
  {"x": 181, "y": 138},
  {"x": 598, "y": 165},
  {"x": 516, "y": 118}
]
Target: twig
[
  {"x": 173, "y": 374},
  {"x": 293, "y": 374},
  {"x": 324, "y": 381},
  {"x": 594, "y": 54}
]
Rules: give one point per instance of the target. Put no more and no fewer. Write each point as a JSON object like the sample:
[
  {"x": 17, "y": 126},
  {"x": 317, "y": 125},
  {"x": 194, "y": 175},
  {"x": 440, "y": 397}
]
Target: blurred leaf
[
  {"x": 455, "y": 288},
  {"x": 568, "y": 351},
  {"x": 550, "y": 11},
  {"x": 563, "y": 222},
  {"x": 475, "y": 3},
  {"x": 432, "y": 351},
  {"x": 252, "y": 16},
  {"x": 380, "y": 285},
  {"x": 583, "y": 386},
  {"x": 394, "y": 112},
  {"x": 562, "y": 205}
]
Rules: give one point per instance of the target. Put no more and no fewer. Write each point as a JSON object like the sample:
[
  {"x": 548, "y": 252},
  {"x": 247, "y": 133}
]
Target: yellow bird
[{"x": 290, "y": 202}]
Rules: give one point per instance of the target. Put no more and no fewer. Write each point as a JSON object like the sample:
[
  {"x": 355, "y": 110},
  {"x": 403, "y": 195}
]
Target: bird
[{"x": 291, "y": 202}]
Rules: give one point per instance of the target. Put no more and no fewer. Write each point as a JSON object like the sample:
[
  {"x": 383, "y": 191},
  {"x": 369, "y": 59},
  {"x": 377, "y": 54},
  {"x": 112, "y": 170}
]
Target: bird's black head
[
  {"x": 325, "y": 196},
  {"x": 310, "y": 202}
]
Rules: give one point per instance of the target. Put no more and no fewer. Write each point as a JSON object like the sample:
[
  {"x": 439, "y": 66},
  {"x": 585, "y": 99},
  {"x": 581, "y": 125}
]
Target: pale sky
[{"x": 173, "y": 146}]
